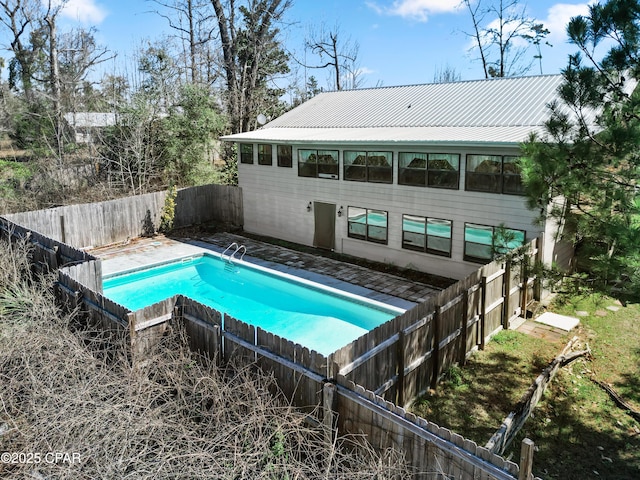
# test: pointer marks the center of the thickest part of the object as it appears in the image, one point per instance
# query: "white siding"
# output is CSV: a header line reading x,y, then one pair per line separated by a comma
x,y
558,248
276,198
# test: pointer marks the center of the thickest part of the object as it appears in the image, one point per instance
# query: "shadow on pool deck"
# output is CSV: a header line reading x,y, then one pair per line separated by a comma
x,y
356,279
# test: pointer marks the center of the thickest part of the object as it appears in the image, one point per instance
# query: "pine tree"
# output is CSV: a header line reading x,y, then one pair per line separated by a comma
x,y
590,157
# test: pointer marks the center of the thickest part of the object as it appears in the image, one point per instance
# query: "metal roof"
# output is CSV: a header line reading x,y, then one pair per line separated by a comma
x,y
495,111
498,102
90,119
387,135
503,111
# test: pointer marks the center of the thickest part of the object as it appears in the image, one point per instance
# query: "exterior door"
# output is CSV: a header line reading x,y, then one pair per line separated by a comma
x,y
325,225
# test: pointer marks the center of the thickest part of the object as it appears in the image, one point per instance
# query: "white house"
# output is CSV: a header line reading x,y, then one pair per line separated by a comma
x,y
419,176
85,125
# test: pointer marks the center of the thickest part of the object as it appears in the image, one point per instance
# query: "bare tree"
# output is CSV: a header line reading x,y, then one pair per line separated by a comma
x,y
18,16
114,90
497,27
78,55
251,56
194,24
337,53
446,74
50,19
477,16
130,149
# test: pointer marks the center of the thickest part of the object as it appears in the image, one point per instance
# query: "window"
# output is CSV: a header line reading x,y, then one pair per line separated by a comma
x,y
367,224
511,178
246,153
493,173
481,242
431,235
440,170
285,156
318,163
265,157
375,167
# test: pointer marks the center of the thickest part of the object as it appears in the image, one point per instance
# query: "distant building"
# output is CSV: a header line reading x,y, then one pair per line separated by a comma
x,y
418,176
85,125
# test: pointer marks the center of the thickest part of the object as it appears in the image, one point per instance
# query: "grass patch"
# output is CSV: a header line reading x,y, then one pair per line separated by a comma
x,y
474,400
579,431
13,177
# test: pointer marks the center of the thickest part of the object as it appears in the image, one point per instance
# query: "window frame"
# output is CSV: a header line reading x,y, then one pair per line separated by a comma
x,y
513,177
320,165
368,227
367,168
265,158
244,155
281,157
426,172
503,180
476,259
425,248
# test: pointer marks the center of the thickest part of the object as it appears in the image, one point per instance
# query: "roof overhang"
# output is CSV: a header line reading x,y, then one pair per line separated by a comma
x,y
464,136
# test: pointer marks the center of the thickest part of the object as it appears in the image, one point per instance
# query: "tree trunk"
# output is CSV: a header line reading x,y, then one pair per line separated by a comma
x,y
50,19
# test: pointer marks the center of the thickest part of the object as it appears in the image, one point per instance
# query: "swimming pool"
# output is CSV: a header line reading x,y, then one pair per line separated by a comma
x,y
320,318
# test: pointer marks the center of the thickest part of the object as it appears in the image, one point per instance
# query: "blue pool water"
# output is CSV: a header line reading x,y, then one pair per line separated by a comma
x,y
317,317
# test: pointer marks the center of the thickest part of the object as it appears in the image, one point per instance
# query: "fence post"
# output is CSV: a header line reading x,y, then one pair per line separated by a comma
x,y
526,459
537,285
329,401
524,272
400,369
133,339
506,285
463,334
63,237
483,310
436,347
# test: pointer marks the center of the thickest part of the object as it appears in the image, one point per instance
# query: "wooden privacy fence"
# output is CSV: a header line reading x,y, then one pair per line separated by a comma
x,y
403,358
347,408
104,223
46,254
350,391
206,203
339,406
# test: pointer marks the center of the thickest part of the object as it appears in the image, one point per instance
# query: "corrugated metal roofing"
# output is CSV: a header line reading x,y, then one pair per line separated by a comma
x,y
90,119
501,110
407,135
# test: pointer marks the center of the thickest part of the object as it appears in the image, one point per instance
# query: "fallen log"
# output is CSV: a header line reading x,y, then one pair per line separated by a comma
x,y
516,419
570,357
618,399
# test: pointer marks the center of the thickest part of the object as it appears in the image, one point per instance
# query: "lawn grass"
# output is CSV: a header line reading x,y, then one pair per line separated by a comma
x,y
474,400
579,431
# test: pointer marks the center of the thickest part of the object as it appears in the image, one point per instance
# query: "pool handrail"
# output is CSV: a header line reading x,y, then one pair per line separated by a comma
x,y
231,245
230,258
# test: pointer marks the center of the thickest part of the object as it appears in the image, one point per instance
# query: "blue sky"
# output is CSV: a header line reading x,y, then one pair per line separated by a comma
x,y
401,41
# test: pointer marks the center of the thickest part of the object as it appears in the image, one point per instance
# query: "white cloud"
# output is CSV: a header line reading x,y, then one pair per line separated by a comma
x,y
365,71
419,10
558,17
85,11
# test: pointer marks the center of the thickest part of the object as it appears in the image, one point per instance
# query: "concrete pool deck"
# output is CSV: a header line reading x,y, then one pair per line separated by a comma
x,y
379,286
